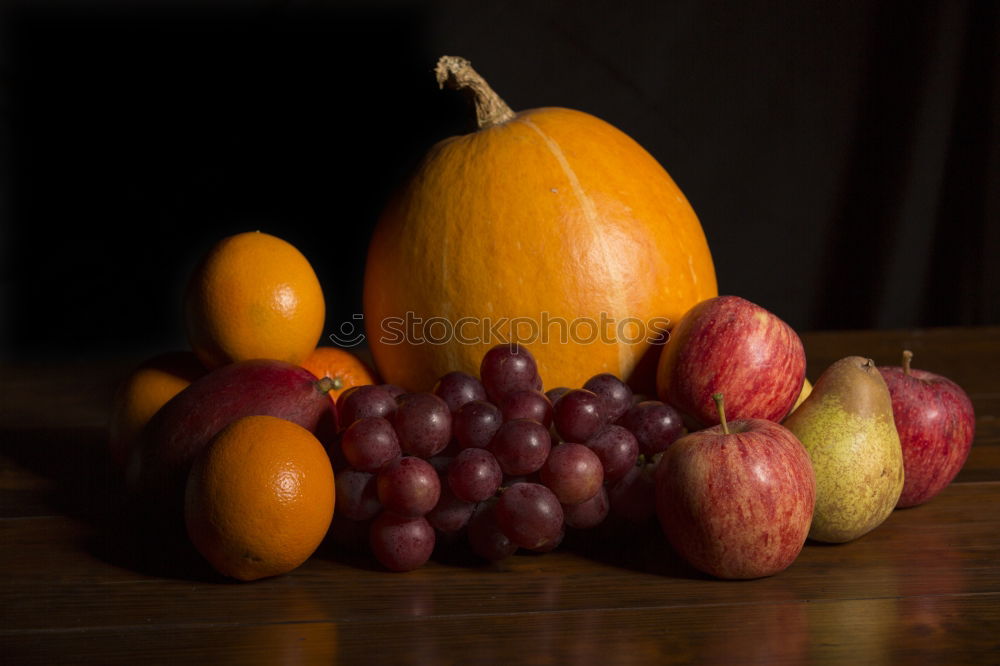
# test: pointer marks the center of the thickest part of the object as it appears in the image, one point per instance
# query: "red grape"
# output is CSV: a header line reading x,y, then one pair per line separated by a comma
x,y
357,495
615,393
578,415
551,544
554,394
408,486
399,543
634,497
474,475
457,388
370,443
362,401
532,405
529,514
521,446
485,536
590,513
423,424
475,423
573,472
393,390
656,425
618,450
508,368
450,514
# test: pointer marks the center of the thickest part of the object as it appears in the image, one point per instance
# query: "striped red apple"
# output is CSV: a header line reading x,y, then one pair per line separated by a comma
x,y
731,346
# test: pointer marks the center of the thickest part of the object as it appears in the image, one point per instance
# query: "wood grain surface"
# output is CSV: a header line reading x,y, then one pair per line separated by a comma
x,y
77,584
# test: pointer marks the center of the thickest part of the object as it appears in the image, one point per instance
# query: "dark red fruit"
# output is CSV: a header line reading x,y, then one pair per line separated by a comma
x,y
457,388
578,415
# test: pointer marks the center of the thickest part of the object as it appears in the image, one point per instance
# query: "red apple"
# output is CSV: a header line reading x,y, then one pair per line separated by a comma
x,y
936,424
731,346
736,500
185,425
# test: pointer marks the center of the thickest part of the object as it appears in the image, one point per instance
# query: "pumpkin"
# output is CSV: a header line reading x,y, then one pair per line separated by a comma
x,y
547,227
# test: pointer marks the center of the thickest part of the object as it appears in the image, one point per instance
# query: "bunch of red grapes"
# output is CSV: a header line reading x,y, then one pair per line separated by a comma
x,y
496,459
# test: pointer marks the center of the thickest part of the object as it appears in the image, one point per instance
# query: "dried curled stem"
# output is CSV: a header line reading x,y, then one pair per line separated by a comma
x,y
457,74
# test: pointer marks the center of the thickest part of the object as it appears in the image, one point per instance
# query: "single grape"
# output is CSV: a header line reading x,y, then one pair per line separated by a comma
x,y
474,475
370,443
423,424
521,446
551,544
399,543
408,486
529,514
532,405
618,450
362,401
450,514
590,513
640,397
554,394
475,423
615,393
485,536
356,495
656,425
393,390
457,388
508,368
634,497
578,415
573,472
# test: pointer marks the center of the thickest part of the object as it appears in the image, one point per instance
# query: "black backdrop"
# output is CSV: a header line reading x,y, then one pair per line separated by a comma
x,y
844,158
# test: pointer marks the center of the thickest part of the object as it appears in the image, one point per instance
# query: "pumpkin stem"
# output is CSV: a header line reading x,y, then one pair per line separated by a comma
x,y
457,74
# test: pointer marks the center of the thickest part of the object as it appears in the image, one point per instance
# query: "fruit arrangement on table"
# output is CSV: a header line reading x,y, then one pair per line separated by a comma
x,y
258,445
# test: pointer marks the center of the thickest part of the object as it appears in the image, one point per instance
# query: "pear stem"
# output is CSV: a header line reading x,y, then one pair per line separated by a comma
x,y
907,357
457,74
721,406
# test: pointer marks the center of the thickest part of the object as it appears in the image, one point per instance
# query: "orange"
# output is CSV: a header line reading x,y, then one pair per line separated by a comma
x,y
344,368
253,296
260,498
143,392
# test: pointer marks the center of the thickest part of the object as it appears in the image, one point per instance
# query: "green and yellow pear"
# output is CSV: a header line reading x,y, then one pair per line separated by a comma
x,y
847,427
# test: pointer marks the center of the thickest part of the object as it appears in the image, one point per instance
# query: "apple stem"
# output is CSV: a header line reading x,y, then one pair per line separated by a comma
x,y
721,406
907,357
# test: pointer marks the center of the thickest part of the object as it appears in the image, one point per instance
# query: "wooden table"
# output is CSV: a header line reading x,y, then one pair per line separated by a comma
x,y
925,586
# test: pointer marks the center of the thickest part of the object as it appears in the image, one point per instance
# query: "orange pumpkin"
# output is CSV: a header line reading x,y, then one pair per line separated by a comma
x,y
549,216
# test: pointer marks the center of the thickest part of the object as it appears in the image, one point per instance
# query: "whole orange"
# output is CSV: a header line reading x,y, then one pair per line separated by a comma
x,y
141,395
260,498
253,296
547,227
344,368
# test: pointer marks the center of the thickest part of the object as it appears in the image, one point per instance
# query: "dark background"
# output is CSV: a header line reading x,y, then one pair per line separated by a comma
x,y
844,158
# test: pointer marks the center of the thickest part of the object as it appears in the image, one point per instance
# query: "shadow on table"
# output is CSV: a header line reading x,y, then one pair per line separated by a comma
x,y
640,548
68,472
